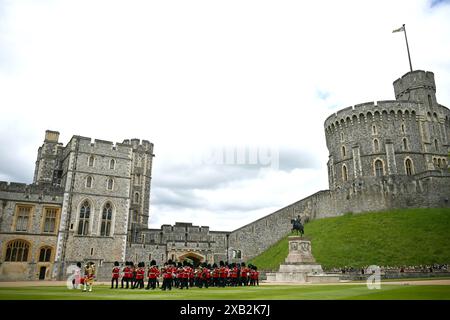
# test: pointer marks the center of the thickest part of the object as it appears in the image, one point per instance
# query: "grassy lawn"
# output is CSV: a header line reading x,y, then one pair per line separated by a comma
x,y
281,292
392,238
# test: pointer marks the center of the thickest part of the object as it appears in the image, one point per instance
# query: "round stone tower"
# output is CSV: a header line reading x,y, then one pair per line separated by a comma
x,y
404,137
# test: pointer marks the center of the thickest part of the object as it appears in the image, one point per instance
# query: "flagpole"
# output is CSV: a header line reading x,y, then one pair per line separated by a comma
x,y
407,48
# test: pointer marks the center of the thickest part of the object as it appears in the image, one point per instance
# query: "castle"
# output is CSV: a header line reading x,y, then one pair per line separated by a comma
x,y
89,201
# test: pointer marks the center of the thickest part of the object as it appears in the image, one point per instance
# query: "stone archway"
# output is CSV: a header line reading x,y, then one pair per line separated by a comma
x,y
194,256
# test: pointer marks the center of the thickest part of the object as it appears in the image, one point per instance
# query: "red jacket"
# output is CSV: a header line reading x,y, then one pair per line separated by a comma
x,y
140,273
115,272
153,273
127,274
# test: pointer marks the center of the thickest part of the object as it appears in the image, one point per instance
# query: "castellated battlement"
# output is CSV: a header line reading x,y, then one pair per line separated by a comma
x,y
413,80
380,110
30,189
145,145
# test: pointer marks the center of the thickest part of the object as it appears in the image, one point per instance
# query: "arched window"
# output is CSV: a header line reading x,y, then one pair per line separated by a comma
x,y
439,162
138,179
45,254
342,136
110,184
374,129
344,173
436,145
405,144
91,161
112,164
403,128
376,145
105,229
136,197
430,102
89,182
17,251
408,167
343,151
379,168
83,224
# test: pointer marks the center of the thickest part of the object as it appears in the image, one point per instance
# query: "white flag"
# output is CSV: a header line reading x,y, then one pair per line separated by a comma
x,y
399,29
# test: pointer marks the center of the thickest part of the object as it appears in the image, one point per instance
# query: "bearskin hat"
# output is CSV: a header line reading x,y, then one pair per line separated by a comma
x,y
116,263
153,263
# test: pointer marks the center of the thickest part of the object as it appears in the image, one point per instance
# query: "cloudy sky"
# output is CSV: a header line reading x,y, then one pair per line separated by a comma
x,y
232,93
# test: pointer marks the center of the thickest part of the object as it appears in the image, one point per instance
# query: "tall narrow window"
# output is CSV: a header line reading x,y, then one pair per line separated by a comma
x,y
343,151
342,136
136,197
379,168
17,251
376,145
23,217
135,216
112,164
89,182
50,220
430,102
83,224
45,254
110,184
138,179
91,161
408,167
374,129
105,229
403,128
405,144
344,173
436,145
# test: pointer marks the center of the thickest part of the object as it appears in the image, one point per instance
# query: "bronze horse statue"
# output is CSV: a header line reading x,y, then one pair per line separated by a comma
x,y
297,226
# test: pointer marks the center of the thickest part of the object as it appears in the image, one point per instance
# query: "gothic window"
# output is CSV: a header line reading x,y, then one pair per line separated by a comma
x,y
342,136
344,173
112,164
110,184
83,224
429,101
17,251
405,144
436,145
23,217
374,129
379,168
138,179
343,151
50,220
105,229
403,128
376,145
44,254
91,161
136,197
408,167
89,182
439,162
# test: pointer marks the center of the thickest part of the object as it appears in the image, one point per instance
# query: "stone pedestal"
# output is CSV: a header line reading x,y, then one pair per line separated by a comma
x,y
300,265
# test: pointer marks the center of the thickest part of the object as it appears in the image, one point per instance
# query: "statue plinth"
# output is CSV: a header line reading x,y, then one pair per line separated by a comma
x,y
300,265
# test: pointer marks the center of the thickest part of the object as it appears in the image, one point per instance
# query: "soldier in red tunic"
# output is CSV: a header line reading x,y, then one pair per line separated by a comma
x,y
140,273
115,275
244,274
215,275
153,273
126,275
167,277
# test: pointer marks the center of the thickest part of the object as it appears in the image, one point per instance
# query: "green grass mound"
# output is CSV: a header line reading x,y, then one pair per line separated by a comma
x,y
392,238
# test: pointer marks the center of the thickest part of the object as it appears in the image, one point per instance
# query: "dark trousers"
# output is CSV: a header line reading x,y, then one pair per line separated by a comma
x,y
116,281
167,284
184,283
139,283
151,283
126,280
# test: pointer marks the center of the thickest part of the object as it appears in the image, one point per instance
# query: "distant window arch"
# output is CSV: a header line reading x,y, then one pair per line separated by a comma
x,y
136,197
45,254
17,251
378,166
112,164
85,212
343,152
138,179
342,136
409,167
91,161
88,182
405,144
376,145
403,128
344,173
105,229
430,102
436,145
110,184
374,129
